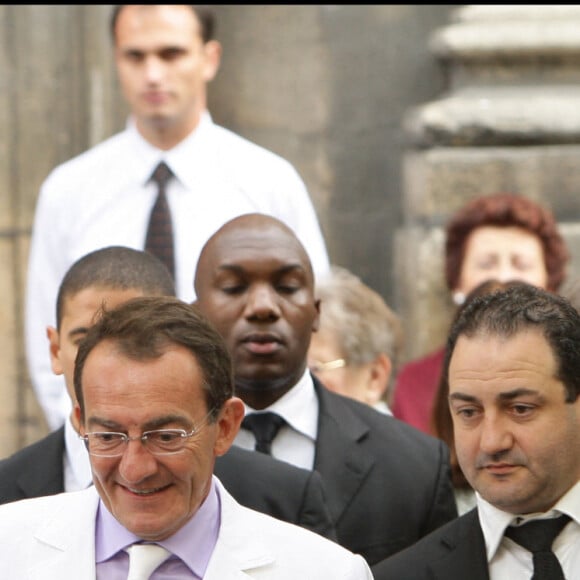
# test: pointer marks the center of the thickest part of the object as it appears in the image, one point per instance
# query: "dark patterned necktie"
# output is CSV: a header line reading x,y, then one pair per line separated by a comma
x,y
265,427
537,537
159,238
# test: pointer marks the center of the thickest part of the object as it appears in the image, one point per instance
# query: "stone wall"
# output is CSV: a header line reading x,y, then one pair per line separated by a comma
x,y
510,121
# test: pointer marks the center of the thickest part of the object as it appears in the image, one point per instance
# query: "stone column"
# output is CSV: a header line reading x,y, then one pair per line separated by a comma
x,y
510,121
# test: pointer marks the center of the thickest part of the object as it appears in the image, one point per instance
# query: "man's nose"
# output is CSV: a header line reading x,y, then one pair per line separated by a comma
x,y
154,69
496,436
136,463
262,302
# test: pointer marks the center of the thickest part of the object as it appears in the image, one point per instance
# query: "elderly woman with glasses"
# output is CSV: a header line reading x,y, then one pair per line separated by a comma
x,y
355,350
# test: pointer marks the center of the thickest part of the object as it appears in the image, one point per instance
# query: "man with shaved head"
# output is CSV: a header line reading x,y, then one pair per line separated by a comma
x,y
387,484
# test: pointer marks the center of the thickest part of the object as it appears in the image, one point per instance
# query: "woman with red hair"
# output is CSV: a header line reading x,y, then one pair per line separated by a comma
x,y
503,237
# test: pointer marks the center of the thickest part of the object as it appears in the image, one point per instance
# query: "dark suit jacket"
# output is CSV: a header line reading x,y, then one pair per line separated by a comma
x,y
455,551
386,483
255,480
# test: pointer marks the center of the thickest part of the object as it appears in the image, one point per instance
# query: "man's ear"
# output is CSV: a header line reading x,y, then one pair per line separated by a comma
x,y
213,57
76,417
316,321
54,349
228,422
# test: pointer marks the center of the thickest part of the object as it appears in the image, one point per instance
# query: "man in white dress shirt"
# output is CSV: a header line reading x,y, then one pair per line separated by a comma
x,y
166,56
513,368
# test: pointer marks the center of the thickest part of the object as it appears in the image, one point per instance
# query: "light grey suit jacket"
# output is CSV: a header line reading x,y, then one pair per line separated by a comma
x,y
53,538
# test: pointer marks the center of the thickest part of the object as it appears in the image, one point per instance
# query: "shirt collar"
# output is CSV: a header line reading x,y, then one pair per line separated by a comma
x,y
193,543
187,159
299,407
494,521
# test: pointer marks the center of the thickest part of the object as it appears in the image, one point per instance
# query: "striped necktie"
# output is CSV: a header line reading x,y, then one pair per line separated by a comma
x,y
159,238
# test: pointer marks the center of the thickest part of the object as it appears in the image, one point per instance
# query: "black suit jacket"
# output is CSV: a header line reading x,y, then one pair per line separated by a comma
x,y
387,484
455,551
255,480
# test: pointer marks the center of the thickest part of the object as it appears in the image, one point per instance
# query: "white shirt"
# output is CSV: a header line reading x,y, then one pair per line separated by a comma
x,y
104,196
77,467
509,560
382,407
295,442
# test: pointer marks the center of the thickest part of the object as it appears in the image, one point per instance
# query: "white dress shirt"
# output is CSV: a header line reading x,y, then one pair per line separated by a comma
x,y
509,560
77,467
382,407
295,442
103,197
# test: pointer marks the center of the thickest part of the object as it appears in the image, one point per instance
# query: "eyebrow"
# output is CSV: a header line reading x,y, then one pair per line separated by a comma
x,y
78,331
463,397
507,396
156,423
522,392
282,270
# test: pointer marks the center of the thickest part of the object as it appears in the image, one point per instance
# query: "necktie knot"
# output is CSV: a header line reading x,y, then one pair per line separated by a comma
x,y
537,537
162,174
265,427
144,559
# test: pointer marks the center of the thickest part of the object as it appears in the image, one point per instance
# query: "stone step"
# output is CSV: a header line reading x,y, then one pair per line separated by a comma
x,y
491,115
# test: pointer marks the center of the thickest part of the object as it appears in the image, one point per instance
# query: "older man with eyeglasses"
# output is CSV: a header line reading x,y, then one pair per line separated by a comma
x,y
155,406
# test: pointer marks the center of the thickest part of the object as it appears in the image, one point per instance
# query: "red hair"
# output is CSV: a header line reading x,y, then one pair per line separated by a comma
x,y
505,210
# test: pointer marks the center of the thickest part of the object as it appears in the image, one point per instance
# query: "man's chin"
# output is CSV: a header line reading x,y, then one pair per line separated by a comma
x,y
264,380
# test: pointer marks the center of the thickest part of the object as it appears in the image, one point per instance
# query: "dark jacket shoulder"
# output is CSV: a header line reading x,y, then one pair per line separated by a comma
x,y
454,551
35,470
276,488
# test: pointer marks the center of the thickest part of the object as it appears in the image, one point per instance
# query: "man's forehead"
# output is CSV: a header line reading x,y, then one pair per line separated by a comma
x,y
488,359
243,243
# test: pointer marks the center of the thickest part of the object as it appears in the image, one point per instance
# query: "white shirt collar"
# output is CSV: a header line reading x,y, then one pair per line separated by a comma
x,y
494,521
299,407
186,160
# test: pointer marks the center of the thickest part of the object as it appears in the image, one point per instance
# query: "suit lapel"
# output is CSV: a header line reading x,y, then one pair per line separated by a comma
x,y
465,551
340,459
65,540
240,547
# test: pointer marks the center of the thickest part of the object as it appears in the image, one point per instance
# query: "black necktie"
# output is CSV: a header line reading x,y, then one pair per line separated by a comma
x,y
264,426
537,537
159,239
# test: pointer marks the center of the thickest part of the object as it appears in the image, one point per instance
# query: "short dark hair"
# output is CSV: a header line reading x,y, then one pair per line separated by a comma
x,y
144,328
505,210
521,307
118,268
204,13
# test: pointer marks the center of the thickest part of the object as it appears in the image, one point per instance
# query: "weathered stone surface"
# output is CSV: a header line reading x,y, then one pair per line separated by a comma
x,y
509,121
8,350
484,116
499,45
439,180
